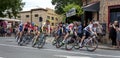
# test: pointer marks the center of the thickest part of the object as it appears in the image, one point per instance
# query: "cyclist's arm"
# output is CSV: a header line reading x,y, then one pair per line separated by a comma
x,y
23,28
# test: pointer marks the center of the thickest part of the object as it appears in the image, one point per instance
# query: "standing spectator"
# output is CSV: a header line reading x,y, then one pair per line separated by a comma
x,y
118,36
113,33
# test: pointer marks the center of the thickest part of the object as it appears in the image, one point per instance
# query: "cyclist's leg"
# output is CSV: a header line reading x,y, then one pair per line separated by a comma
x,y
83,37
21,33
65,37
38,34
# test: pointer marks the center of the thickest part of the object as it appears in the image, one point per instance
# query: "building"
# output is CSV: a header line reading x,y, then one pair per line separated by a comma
x,y
34,15
105,11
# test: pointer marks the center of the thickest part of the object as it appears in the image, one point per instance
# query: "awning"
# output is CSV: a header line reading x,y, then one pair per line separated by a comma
x,y
93,7
7,19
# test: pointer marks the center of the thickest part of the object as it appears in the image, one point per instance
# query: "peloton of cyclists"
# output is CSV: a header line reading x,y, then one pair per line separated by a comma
x,y
77,29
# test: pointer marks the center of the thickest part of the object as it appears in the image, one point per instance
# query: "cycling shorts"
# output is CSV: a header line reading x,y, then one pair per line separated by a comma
x,y
26,30
80,35
86,33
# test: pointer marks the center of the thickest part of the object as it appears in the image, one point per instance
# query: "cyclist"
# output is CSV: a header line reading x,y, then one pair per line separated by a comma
x,y
26,29
69,30
37,32
20,28
79,29
61,30
88,31
47,28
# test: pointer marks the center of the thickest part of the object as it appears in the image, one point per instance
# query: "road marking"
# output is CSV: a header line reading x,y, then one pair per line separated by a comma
x,y
83,53
1,57
16,46
71,56
72,52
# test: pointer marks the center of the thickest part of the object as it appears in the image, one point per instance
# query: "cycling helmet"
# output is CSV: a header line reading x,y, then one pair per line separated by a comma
x,y
47,20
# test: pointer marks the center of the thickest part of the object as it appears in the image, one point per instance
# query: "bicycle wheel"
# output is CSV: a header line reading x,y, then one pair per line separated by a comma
x,y
54,42
17,38
91,45
42,41
76,46
70,42
34,42
59,42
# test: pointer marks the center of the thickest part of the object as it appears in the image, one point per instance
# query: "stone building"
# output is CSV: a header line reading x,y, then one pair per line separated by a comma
x,y
34,15
105,11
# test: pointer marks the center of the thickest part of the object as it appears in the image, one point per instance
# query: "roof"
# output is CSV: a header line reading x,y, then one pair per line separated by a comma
x,y
24,11
38,9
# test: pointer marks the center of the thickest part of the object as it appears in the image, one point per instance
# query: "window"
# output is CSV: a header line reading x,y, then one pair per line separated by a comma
x,y
27,16
56,19
52,18
48,17
52,24
36,15
19,16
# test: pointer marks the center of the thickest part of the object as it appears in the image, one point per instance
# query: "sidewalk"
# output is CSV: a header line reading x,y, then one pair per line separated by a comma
x,y
107,47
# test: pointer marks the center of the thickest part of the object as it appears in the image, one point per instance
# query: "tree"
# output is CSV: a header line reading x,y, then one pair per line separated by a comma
x,y
79,10
60,4
10,8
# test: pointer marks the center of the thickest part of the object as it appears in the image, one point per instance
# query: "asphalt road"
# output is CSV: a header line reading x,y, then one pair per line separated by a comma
x,y
10,49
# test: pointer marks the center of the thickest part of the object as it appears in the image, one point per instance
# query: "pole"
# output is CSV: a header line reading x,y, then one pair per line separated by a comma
x,y
31,16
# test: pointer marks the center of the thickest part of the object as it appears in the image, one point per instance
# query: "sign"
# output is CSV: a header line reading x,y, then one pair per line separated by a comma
x,y
71,12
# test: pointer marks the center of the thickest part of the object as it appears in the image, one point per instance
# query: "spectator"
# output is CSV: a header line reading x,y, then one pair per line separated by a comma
x,y
118,36
113,33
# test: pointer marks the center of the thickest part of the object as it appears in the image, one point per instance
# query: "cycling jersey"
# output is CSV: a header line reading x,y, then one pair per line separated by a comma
x,y
35,28
88,28
20,27
69,28
46,28
26,27
31,27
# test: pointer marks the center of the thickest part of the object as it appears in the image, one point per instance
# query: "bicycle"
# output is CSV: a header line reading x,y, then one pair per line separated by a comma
x,y
90,43
40,41
25,39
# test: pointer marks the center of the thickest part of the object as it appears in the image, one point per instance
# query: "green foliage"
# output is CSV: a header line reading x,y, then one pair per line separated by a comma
x,y
79,10
10,7
60,4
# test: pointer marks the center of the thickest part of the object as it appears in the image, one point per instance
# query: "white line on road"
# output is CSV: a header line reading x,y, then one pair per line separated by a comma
x,y
16,46
62,51
1,57
83,53
71,56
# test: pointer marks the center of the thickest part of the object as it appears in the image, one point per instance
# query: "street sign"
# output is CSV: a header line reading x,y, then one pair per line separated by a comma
x,y
71,12
40,19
